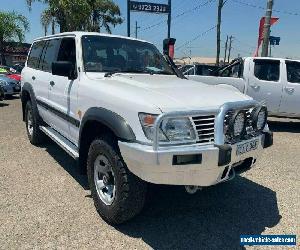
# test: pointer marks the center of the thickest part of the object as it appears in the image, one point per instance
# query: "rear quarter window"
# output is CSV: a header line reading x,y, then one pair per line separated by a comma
x,y
35,55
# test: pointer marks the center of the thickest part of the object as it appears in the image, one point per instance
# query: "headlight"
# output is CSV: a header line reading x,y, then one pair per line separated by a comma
x,y
259,117
171,129
237,124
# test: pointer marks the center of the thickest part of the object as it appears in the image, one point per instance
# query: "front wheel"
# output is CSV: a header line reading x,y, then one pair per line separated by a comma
x,y
118,194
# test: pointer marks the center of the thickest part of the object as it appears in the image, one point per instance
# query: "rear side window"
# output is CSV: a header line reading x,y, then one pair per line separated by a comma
x,y
35,54
267,70
50,55
293,71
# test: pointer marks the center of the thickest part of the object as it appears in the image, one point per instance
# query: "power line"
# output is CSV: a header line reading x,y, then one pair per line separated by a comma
x,y
194,8
246,44
262,8
179,15
197,37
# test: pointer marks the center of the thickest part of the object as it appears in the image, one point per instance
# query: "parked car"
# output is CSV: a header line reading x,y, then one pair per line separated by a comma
x,y
10,72
199,69
10,86
14,76
273,81
3,70
129,117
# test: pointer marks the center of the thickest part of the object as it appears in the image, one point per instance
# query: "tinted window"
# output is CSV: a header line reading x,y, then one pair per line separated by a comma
x,y
35,54
67,50
293,71
50,55
267,70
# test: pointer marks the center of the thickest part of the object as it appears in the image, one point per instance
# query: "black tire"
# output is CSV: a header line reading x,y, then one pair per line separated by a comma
x,y
1,94
130,191
35,136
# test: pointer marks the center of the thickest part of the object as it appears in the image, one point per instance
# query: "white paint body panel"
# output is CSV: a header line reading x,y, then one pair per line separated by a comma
x,y
127,95
282,97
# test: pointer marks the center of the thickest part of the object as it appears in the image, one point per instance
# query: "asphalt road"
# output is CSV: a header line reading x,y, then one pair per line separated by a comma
x,y
45,203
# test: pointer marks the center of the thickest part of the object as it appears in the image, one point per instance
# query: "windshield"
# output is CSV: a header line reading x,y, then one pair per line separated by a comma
x,y
113,54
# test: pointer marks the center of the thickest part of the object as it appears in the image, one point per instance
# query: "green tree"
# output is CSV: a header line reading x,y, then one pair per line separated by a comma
x,y
103,14
12,27
86,15
47,19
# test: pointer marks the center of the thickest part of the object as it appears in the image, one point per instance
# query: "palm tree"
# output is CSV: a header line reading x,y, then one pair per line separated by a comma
x,y
12,26
103,14
47,19
72,15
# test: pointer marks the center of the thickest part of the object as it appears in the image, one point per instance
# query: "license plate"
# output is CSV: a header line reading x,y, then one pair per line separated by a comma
x,y
247,147
17,88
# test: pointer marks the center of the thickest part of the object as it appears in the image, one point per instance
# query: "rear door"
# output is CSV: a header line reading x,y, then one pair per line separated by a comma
x,y
290,104
33,75
45,75
266,83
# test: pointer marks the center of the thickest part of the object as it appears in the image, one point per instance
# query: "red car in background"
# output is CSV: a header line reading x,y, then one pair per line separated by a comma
x,y
10,72
16,77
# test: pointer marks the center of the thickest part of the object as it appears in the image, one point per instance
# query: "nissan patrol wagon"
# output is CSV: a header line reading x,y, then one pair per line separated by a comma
x,y
129,117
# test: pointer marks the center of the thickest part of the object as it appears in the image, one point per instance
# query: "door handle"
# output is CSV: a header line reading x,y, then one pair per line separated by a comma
x,y
255,87
52,83
33,77
289,89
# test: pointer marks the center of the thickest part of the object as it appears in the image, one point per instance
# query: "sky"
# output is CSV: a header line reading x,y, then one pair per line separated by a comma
x,y
191,24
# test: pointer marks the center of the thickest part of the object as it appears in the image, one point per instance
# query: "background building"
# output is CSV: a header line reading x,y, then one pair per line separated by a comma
x,y
15,52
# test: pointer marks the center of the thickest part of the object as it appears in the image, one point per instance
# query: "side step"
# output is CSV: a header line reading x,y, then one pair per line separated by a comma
x,y
64,143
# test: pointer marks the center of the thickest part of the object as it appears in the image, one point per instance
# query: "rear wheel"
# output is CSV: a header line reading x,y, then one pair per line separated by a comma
x,y
35,135
118,194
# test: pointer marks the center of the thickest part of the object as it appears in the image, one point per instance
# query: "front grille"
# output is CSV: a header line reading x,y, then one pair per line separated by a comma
x,y
205,127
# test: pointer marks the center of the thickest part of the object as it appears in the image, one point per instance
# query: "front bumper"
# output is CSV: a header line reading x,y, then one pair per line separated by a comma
x,y
158,166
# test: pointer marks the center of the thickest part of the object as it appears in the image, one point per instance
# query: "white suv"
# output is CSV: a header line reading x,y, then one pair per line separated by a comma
x,y
129,117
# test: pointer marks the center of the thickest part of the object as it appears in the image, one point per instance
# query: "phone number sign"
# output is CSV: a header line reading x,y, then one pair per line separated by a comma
x,y
149,7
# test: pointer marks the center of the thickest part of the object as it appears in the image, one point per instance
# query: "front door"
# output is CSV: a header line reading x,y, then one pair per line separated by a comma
x,y
61,89
290,104
266,83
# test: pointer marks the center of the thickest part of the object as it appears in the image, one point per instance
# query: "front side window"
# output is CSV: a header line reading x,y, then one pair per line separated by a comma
x,y
235,70
113,54
185,69
35,55
293,71
190,71
67,50
267,70
205,70
50,55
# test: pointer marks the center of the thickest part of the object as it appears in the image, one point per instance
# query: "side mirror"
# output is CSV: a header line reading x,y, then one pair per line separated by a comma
x,y
64,68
